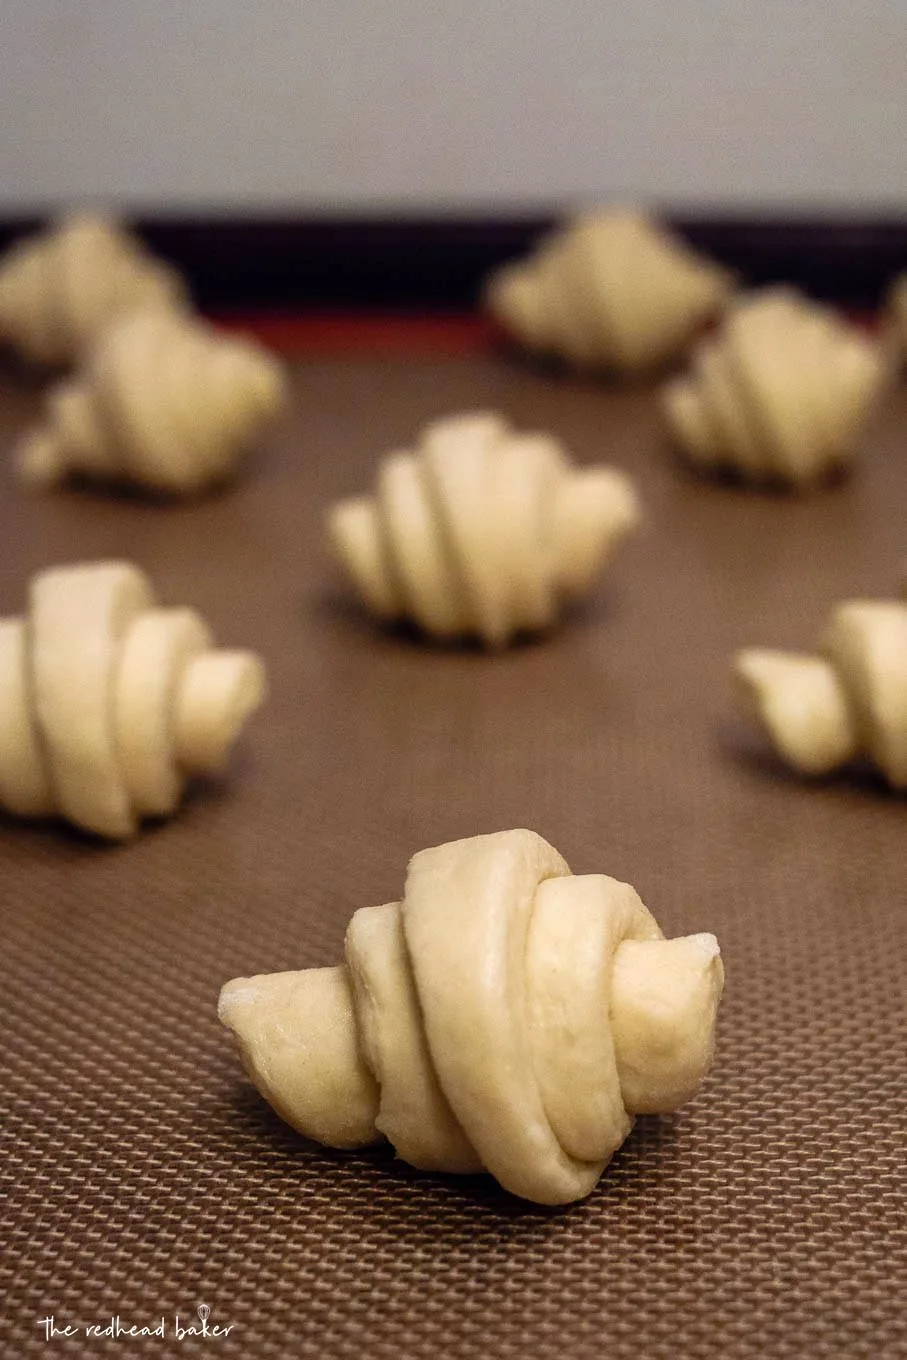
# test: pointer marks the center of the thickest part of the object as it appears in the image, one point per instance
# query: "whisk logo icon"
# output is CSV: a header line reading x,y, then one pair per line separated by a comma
x,y
201,1329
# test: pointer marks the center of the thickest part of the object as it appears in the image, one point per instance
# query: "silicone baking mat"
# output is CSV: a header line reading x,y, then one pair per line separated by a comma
x,y
144,1180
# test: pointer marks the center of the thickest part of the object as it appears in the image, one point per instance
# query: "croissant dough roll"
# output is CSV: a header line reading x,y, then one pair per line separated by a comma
x,y
160,647
61,288
612,289
299,1033
109,703
505,1015
779,394
822,711
25,784
78,628
481,531
165,403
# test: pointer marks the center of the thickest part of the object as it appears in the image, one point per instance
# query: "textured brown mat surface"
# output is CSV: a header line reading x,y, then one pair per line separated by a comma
x,y
143,1178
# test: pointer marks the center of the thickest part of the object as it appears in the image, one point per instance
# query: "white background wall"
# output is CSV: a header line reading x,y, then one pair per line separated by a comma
x,y
358,105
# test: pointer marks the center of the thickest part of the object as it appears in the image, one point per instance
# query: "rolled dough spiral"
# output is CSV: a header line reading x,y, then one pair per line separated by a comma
x,y
822,710
612,290
61,288
109,702
481,531
504,1016
780,394
165,403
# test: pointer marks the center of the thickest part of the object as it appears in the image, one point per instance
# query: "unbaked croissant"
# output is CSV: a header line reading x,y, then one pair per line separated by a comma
x,y
505,1016
164,402
481,531
610,290
108,702
779,394
849,699
61,288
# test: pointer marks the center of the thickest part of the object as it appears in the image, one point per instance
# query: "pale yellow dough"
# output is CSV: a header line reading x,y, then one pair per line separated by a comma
x,y
612,290
109,702
822,710
481,531
61,288
164,402
780,393
504,1016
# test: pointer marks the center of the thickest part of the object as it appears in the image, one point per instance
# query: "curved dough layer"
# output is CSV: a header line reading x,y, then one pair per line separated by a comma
x,y
109,703
504,1016
821,711
60,289
165,403
779,394
611,290
481,531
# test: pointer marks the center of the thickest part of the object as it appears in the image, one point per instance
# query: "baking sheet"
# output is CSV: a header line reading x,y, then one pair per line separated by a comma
x,y
144,1179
